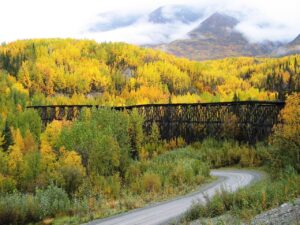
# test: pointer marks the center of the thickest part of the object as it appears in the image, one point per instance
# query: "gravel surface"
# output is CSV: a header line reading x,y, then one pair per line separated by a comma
x,y
163,212
286,214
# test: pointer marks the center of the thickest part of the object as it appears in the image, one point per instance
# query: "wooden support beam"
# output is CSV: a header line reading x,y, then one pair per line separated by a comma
x,y
192,122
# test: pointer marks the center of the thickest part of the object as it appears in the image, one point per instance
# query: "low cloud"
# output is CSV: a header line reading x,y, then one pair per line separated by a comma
x,y
257,33
260,20
143,33
141,30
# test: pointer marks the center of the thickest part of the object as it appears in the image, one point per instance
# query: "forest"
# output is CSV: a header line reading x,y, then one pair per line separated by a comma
x,y
57,71
104,163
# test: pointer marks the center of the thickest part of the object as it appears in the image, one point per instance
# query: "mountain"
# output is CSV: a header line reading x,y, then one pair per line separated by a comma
x,y
173,13
291,48
216,38
217,25
162,15
296,41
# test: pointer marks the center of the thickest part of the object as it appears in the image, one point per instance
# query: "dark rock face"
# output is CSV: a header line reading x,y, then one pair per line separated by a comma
x,y
217,25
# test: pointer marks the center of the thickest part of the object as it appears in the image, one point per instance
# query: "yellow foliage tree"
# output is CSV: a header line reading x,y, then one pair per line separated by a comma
x,y
16,164
71,159
72,171
287,134
52,132
49,164
48,159
29,143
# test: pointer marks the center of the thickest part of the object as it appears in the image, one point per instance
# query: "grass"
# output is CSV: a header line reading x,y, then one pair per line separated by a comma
x,y
171,174
247,202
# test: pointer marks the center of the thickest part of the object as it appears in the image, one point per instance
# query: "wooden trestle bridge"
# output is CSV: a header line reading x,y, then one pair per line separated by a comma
x,y
252,119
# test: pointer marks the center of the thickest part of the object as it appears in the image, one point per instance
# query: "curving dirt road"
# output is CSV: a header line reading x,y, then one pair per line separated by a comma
x,y
163,212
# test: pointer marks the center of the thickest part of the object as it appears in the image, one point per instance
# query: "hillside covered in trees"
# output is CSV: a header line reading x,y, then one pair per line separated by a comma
x,y
56,71
104,163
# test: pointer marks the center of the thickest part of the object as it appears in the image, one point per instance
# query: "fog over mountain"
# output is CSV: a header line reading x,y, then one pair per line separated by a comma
x,y
217,37
162,25
174,13
258,22
145,22
292,47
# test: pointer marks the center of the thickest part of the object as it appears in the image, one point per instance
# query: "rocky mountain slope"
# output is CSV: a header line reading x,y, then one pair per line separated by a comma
x,y
216,37
291,48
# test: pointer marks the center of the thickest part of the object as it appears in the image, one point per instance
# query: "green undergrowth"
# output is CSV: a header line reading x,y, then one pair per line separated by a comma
x,y
164,176
248,202
173,173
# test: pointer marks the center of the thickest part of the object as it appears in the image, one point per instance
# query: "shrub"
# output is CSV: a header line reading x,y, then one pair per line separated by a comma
x,y
248,201
80,206
179,168
230,126
216,207
228,152
52,200
113,186
200,168
194,212
136,186
7,184
71,171
178,175
18,209
133,172
175,143
72,179
248,157
153,144
131,202
151,182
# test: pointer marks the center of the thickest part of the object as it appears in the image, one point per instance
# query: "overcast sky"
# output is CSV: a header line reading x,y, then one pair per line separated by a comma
x,y
277,20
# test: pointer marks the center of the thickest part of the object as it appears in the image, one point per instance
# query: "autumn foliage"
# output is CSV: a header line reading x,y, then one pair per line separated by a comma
x,y
103,161
286,135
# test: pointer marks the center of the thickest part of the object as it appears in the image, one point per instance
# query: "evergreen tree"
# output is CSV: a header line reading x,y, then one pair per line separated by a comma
x,y
8,139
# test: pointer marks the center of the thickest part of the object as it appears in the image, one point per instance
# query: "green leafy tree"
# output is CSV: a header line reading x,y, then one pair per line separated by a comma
x,y
101,141
136,133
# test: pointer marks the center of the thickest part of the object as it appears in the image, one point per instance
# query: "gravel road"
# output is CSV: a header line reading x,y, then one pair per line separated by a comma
x,y
161,213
